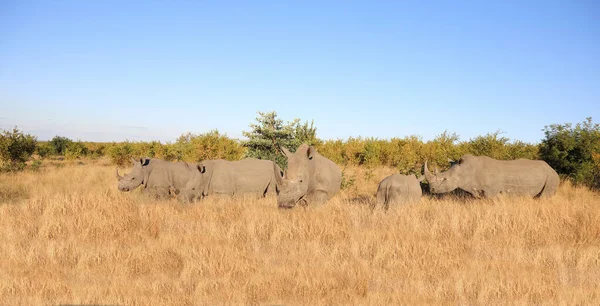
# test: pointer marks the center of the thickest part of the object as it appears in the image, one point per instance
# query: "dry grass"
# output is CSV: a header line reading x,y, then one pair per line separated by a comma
x,y
75,239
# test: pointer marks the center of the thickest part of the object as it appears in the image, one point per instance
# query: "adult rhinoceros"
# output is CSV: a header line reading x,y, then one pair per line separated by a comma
x,y
399,189
309,178
247,176
157,176
483,176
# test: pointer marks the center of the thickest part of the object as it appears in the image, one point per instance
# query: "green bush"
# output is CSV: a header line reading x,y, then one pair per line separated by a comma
x,y
75,150
95,149
44,149
15,149
212,145
121,153
574,151
60,144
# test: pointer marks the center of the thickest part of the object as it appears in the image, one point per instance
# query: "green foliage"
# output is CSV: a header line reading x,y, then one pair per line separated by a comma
x,y
574,151
121,153
347,180
60,144
270,133
491,144
95,149
212,145
44,149
15,149
75,150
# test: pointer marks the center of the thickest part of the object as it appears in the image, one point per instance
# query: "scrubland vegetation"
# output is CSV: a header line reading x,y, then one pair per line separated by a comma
x,y
69,236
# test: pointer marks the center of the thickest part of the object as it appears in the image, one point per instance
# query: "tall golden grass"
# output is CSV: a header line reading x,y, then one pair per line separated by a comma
x,y
69,236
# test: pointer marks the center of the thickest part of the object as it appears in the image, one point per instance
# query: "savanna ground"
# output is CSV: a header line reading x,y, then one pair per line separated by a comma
x,y
69,236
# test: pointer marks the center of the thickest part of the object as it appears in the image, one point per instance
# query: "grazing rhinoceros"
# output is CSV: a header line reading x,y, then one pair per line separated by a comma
x,y
483,176
309,178
246,176
158,177
399,189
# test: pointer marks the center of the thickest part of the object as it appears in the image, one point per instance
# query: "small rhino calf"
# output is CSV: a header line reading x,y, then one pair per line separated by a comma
x,y
399,189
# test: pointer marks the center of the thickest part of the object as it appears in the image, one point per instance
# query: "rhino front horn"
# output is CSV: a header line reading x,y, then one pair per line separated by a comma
x,y
428,175
118,176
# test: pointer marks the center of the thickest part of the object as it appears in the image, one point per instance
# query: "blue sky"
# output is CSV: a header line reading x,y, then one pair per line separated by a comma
x,y
115,70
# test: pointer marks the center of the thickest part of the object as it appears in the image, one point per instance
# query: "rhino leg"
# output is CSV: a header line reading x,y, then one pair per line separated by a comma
x,y
548,190
317,197
158,193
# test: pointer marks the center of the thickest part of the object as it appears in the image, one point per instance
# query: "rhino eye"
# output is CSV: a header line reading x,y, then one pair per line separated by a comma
x,y
133,178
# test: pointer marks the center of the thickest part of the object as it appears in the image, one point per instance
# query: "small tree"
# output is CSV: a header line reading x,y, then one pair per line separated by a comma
x,y
16,148
269,134
573,151
60,144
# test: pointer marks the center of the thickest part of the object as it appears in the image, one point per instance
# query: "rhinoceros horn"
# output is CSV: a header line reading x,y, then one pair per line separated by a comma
x,y
118,176
428,175
286,152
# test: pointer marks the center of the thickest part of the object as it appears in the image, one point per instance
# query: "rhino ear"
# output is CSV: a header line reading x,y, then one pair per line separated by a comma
x,y
145,161
310,152
134,161
201,168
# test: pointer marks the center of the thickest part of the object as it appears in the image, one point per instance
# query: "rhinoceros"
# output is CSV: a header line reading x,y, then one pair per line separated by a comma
x,y
399,189
158,177
247,176
309,178
482,176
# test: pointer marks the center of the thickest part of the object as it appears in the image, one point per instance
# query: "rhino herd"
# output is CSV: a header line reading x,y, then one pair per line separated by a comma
x,y
311,178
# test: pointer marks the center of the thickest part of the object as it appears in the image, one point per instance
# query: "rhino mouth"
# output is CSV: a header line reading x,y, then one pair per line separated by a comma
x,y
288,205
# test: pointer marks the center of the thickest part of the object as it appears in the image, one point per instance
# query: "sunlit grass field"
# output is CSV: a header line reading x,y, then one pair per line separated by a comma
x,y
68,236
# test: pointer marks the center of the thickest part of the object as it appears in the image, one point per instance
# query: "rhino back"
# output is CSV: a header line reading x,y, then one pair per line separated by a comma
x,y
219,179
167,174
180,174
519,177
398,188
252,175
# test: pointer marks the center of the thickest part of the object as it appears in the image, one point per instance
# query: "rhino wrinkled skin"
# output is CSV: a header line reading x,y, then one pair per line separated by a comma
x,y
486,177
222,177
309,178
399,189
157,176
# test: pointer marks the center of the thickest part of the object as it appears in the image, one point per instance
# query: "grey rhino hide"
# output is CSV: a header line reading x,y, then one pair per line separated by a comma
x,y
483,176
247,176
157,176
398,189
309,178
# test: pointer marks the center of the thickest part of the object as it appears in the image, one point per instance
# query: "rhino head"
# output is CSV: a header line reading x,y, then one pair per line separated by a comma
x,y
445,181
135,178
193,189
293,185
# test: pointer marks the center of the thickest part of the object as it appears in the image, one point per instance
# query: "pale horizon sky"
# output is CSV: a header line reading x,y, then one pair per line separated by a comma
x,y
153,70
